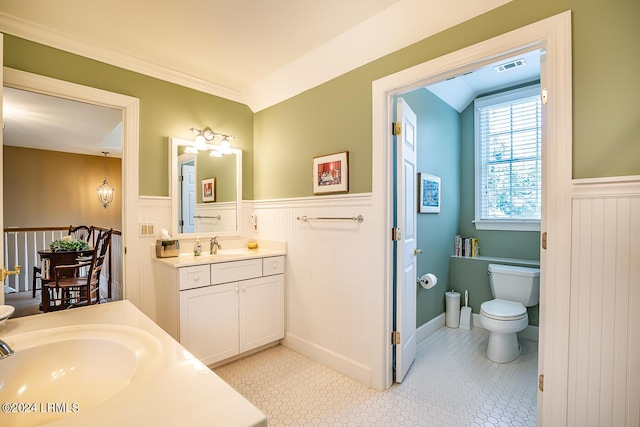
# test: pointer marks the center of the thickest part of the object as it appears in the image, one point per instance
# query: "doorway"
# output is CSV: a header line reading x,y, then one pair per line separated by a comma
x,y
129,108
550,35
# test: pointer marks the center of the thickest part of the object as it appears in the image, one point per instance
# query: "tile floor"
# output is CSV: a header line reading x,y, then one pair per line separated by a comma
x,y
451,383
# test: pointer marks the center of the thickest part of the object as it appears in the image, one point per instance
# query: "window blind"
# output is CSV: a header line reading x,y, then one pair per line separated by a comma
x,y
509,152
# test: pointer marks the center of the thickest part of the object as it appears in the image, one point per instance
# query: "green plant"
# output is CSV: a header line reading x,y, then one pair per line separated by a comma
x,y
68,245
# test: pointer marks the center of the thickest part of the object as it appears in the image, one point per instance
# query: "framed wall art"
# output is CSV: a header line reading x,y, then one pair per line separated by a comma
x,y
209,190
331,173
430,190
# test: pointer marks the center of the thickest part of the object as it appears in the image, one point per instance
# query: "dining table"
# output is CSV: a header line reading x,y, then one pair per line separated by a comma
x,y
50,259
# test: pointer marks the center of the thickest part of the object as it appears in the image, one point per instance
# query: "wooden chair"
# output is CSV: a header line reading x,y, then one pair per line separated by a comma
x,y
36,275
82,232
69,289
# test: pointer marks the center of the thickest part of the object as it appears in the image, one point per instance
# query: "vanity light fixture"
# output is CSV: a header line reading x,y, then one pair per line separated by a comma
x,y
203,136
105,191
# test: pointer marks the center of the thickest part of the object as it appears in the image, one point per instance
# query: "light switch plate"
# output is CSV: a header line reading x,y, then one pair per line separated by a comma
x,y
146,229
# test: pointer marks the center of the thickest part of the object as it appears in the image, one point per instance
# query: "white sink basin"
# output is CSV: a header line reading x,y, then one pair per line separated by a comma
x,y
73,367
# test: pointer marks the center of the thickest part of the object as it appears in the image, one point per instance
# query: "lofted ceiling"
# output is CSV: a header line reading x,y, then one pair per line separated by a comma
x,y
256,52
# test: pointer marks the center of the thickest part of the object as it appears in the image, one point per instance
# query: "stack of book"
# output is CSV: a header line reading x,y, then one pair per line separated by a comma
x,y
466,246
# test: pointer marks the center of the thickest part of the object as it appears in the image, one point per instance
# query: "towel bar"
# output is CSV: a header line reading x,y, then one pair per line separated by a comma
x,y
358,218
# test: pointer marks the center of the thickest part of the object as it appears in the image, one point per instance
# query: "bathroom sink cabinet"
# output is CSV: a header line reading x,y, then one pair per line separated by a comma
x,y
224,309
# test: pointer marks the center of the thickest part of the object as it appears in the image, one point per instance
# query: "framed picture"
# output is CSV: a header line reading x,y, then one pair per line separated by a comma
x,y
430,190
209,190
331,173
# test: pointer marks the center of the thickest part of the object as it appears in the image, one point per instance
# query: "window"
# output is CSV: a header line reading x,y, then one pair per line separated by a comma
x,y
508,160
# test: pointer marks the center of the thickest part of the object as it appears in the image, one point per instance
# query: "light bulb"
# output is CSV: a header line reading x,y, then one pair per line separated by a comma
x,y
201,143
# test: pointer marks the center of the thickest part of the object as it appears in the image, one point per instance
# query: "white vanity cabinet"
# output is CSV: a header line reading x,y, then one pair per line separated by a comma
x,y
227,308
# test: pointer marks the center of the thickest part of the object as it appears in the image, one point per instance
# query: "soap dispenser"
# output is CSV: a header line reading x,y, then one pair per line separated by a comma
x,y
197,248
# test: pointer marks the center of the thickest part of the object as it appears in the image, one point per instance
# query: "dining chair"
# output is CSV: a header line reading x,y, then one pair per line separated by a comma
x,y
36,275
82,232
69,289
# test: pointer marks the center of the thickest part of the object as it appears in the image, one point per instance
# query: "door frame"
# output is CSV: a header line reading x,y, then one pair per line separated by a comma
x,y
130,107
552,35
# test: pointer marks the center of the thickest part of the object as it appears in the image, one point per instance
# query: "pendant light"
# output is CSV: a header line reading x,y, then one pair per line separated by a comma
x,y
105,191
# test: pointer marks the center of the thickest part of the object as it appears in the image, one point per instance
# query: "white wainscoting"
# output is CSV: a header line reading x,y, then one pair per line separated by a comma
x,y
157,211
604,345
208,213
330,287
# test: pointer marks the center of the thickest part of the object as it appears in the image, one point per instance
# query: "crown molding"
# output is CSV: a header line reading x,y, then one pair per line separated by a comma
x,y
48,37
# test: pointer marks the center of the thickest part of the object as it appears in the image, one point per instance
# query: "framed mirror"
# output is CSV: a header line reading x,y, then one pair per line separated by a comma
x,y
206,192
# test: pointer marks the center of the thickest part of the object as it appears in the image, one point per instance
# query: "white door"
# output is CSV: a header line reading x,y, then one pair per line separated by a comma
x,y
543,228
406,177
188,196
1,162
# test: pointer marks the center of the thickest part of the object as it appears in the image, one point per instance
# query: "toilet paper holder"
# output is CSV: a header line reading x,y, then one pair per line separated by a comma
x,y
428,281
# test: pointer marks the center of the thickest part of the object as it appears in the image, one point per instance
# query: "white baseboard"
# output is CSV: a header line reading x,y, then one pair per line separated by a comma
x,y
424,331
333,360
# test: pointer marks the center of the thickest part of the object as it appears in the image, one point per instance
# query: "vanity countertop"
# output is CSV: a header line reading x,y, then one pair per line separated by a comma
x,y
183,391
234,253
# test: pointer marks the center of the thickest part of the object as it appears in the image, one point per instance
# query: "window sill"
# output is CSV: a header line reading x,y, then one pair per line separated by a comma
x,y
505,225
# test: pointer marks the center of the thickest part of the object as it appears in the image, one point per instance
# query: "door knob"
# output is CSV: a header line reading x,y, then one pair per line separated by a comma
x,y
4,273
417,251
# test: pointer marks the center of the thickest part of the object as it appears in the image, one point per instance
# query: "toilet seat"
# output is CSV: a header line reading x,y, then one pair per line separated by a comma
x,y
503,310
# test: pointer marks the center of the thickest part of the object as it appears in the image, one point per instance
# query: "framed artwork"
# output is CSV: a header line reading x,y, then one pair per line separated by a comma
x,y
331,173
209,190
430,190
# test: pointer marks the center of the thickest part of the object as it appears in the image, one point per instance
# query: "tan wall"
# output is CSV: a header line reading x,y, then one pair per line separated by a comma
x,y
48,188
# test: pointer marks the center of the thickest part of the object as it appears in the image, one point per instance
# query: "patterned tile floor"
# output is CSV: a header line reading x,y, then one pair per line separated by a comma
x,y
451,383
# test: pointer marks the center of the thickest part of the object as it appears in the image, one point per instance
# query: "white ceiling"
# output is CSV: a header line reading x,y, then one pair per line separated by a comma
x,y
43,122
461,90
256,52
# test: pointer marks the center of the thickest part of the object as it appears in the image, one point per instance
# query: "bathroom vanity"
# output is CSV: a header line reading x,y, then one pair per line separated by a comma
x,y
220,306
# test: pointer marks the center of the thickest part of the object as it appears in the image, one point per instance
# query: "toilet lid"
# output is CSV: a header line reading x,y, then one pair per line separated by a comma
x,y
500,309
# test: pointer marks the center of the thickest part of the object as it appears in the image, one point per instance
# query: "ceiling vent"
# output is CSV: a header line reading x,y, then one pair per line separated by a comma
x,y
510,65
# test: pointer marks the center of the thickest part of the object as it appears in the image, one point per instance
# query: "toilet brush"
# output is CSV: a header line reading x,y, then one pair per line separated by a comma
x,y
465,314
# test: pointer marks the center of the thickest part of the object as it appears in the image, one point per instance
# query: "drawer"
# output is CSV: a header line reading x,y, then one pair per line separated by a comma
x,y
224,272
273,265
196,276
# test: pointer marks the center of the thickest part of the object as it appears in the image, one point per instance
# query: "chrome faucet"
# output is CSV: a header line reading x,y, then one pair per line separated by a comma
x,y
5,350
214,246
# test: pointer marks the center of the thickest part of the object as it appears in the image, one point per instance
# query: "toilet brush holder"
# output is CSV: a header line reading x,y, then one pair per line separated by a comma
x,y
466,320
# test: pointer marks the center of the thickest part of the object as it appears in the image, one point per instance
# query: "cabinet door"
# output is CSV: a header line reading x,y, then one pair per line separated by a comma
x,y
209,322
261,311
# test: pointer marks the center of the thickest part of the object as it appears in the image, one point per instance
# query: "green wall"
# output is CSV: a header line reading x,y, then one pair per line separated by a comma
x,y
438,154
337,115
166,109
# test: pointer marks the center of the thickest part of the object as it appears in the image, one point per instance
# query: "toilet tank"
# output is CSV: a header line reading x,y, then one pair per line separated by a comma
x,y
512,283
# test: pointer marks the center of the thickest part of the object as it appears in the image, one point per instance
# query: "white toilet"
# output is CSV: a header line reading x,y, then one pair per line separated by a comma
x,y
514,289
